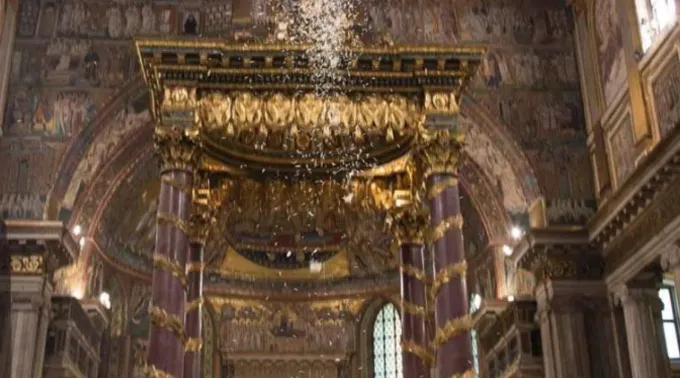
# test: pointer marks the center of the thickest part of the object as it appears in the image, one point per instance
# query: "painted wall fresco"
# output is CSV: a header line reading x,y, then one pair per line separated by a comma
x,y
622,150
474,233
666,90
297,328
609,37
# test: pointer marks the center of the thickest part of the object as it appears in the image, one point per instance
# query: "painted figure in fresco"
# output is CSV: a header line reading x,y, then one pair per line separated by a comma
x,y
612,65
91,63
148,20
115,22
48,20
166,21
133,20
491,71
190,25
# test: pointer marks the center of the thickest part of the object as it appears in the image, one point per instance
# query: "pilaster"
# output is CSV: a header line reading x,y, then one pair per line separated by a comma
x,y
642,311
570,295
31,252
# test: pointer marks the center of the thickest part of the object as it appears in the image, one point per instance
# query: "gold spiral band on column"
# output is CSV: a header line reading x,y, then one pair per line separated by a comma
x,y
150,371
451,329
446,274
173,267
413,308
466,374
176,221
412,271
193,305
423,353
177,185
440,186
438,231
193,344
195,267
162,319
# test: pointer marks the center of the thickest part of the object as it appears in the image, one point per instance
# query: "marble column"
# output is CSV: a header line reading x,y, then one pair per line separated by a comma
x,y
642,313
192,357
452,344
563,333
409,228
168,295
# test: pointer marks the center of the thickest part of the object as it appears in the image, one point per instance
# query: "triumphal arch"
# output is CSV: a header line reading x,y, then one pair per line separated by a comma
x,y
374,143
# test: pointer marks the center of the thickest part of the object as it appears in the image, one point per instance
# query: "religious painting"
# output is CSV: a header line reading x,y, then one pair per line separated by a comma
x,y
495,165
122,125
666,91
527,69
28,18
115,65
167,19
51,113
610,48
22,205
300,328
622,149
27,63
78,19
190,22
130,219
48,19
64,61
529,22
28,165
474,232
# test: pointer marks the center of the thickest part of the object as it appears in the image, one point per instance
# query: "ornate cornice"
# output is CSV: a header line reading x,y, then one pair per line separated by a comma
x,y
37,247
639,193
559,253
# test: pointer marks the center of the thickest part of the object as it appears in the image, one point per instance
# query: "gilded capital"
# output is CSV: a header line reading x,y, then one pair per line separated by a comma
x,y
409,225
440,152
178,150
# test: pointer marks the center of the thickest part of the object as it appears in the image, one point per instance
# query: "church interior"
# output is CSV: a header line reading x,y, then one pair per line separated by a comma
x,y
339,188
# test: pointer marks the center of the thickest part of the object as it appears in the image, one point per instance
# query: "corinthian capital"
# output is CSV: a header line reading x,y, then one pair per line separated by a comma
x,y
178,149
440,152
670,257
409,225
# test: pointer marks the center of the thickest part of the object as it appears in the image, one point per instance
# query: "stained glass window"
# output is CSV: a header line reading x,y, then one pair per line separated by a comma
x,y
387,343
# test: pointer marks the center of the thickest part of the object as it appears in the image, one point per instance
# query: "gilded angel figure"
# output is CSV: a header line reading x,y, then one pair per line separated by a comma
x,y
278,111
247,110
216,111
308,110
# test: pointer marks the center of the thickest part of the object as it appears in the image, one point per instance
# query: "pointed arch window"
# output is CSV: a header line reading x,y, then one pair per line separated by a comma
x,y
387,343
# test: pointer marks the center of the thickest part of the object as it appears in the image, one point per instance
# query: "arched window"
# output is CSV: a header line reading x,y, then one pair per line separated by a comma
x,y
387,343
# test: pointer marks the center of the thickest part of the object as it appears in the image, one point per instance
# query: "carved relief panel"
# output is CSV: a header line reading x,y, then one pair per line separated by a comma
x,y
609,41
622,150
666,91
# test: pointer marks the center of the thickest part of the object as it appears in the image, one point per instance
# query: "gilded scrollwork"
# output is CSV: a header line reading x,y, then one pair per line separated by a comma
x,y
33,264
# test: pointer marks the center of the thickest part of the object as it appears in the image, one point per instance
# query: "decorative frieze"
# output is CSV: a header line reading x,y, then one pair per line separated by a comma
x,y
552,254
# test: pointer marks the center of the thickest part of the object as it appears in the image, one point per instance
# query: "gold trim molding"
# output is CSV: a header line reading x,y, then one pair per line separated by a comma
x,y
451,329
438,232
173,267
443,276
